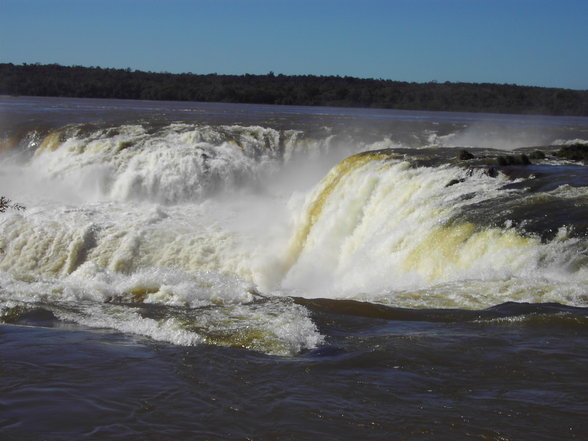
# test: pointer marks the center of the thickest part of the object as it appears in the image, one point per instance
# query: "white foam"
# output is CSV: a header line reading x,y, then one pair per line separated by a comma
x,y
123,219
199,308
388,227
570,141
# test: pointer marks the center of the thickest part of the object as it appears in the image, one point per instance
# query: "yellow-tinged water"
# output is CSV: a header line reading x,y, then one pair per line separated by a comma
x,y
321,197
456,248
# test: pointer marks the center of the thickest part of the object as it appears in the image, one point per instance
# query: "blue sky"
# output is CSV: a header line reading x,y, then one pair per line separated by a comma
x,y
527,42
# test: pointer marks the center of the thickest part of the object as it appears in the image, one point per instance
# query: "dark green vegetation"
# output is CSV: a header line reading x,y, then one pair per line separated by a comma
x,y
6,203
95,82
574,152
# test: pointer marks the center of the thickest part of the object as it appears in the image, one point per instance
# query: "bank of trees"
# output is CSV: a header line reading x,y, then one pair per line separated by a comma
x,y
96,82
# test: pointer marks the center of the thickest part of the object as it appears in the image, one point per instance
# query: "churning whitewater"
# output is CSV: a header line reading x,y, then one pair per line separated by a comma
x,y
203,232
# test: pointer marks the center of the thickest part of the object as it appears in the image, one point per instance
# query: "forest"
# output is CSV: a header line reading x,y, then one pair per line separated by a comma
x,y
308,90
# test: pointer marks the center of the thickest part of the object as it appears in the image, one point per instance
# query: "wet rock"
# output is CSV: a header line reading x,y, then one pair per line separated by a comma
x,y
513,160
453,182
492,172
525,160
464,155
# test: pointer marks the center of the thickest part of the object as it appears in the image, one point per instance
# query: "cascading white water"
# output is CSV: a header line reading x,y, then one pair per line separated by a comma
x,y
120,216
378,228
225,221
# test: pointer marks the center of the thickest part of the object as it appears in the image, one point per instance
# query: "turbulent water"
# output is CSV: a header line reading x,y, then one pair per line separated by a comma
x,y
215,271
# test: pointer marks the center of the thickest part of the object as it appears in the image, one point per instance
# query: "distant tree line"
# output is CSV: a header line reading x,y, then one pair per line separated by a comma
x,y
96,82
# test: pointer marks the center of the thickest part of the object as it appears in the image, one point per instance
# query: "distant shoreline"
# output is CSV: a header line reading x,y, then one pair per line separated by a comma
x,y
305,90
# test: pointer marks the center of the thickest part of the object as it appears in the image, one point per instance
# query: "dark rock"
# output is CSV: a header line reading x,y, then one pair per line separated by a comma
x,y
492,172
513,160
525,160
464,155
454,181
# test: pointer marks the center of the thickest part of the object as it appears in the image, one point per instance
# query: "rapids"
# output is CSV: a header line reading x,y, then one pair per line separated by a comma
x,y
192,230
